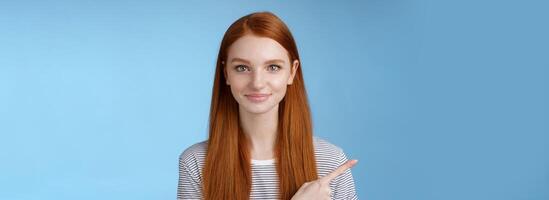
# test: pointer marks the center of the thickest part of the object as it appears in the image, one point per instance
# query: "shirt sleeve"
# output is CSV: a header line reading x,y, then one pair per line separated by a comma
x,y
343,186
189,186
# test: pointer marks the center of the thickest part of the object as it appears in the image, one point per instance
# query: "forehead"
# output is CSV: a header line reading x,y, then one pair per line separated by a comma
x,y
257,49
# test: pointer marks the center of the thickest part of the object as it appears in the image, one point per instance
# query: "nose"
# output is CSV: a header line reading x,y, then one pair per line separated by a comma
x,y
258,80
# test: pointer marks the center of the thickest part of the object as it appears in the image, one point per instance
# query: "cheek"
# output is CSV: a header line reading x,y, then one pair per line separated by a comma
x,y
238,86
279,85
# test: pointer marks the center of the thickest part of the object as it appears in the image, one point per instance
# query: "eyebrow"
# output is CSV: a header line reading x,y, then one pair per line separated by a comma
x,y
246,61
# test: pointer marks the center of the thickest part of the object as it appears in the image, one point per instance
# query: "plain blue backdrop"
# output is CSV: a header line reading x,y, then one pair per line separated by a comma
x,y
436,99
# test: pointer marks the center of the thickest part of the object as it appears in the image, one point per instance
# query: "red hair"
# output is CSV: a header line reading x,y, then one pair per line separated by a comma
x,y
226,174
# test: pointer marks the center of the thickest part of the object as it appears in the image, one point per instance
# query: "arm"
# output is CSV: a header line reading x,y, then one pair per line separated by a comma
x,y
337,185
188,186
343,186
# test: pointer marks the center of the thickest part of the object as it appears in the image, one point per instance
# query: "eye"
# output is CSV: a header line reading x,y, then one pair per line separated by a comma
x,y
274,68
241,68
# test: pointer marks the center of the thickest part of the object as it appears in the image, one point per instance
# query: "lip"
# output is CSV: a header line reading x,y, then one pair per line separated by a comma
x,y
257,98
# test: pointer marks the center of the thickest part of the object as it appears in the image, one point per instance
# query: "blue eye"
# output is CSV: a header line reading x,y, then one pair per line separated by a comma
x,y
241,68
274,68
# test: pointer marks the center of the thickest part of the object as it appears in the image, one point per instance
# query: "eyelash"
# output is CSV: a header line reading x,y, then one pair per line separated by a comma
x,y
238,66
278,67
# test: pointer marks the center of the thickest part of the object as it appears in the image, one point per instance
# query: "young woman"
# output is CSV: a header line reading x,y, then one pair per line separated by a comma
x,y
261,144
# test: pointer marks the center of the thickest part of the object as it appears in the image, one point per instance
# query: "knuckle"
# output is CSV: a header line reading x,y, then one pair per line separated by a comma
x,y
317,183
327,192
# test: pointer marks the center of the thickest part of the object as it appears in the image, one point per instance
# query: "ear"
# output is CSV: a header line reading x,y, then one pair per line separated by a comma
x,y
225,72
295,65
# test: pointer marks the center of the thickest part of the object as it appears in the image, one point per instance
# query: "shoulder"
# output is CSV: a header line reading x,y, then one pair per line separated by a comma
x,y
328,156
194,154
323,147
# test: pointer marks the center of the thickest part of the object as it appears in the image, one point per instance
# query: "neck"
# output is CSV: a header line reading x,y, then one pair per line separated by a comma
x,y
261,132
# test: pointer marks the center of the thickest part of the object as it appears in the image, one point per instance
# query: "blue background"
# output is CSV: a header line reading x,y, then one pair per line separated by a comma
x,y
437,99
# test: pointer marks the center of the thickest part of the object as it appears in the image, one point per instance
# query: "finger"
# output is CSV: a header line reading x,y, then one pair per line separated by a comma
x,y
340,170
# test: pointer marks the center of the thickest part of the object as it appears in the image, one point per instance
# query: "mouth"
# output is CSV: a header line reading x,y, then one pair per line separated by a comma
x,y
257,98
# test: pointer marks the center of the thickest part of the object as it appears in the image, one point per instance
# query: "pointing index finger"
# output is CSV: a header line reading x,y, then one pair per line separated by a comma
x,y
340,170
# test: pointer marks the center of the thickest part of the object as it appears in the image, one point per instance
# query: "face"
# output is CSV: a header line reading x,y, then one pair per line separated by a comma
x,y
258,71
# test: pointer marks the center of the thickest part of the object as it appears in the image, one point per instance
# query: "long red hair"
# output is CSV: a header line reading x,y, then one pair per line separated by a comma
x,y
226,174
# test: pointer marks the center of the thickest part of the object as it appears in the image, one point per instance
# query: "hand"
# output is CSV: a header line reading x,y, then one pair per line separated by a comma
x,y
320,188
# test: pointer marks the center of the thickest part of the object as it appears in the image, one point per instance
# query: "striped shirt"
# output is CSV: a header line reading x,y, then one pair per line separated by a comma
x,y
264,175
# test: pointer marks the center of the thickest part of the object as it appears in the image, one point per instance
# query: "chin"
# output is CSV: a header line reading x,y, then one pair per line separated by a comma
x,y
258,109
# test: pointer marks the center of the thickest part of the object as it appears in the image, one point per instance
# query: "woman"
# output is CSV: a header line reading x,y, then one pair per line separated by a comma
x,y
260,141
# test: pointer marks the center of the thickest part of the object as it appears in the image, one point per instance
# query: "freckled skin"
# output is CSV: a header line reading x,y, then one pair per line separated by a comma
x,y
257,76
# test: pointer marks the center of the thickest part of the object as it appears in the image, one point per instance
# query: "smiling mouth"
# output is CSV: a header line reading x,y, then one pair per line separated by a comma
x,y
257,98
